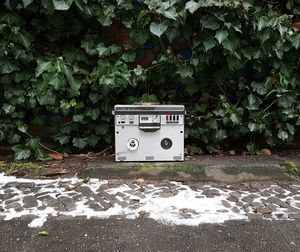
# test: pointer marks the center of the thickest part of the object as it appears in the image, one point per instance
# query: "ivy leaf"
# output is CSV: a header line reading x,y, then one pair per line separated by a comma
x,y
295,41
221,135
283,135
13,138
234,119
221,36
42,66
129,57
33,143
192,6
21,152
80,143
62,4
209,44
92,140
260,88
25,39
185,71
23,128
252,126
286,100
158,28
170,13
7,66
8,108
253,102
230,44
27,2
94,113
210,23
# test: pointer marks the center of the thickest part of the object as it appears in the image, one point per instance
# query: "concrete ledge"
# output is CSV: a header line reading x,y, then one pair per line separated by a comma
x,y
241,169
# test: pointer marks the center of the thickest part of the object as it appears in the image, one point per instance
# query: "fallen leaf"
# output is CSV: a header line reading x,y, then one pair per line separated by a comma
x,y
55,171
2,162
274,81
56,156
140,181
173,226
265,151
69,187
220,152
43,233
296,26
231,152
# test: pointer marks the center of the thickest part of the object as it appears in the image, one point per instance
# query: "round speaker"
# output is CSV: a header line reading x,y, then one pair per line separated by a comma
x,y
132,144
166,143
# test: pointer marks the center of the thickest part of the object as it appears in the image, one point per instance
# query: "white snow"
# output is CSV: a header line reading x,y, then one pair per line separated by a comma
x,y
184,207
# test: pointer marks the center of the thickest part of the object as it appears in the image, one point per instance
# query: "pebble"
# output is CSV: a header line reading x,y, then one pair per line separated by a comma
x,y
263,210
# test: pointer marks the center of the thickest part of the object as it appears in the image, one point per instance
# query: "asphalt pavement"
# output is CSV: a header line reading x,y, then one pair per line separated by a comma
x,y
147,235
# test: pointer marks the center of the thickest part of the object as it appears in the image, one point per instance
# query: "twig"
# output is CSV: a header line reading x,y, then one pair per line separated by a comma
x,y
43,146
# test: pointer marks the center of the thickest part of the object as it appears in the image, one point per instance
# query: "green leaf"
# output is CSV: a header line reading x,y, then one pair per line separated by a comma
x,y
23,128
42,66
8,108
27,2
21,152
209,44
185,71
92,140
129,57
78,118
43,233
286,100
210,23
33,143
295,39
25,39
252,102
7,66
62,4
192,6
260,88
221,36
253,126
230,44
80,143
221,135
158,28
253,149
13,138
283,135
170,13
234,119
94,113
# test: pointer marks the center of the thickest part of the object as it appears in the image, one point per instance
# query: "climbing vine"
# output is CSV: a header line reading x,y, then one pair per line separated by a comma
x,y
65,63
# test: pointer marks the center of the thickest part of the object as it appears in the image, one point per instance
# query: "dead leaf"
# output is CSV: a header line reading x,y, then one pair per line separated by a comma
x,y
274,81
296,26
2,162
69,187
231,152
173,226
56,156
140,181
220,152
265,151
55,171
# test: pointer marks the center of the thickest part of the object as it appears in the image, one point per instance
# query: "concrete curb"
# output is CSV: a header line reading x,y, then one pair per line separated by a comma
x,y
189,171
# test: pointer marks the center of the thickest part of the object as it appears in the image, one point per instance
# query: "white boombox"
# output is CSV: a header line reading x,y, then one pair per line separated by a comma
x,y
149,132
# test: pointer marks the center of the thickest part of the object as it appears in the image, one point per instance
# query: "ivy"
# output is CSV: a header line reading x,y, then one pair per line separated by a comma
x,y
64,64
